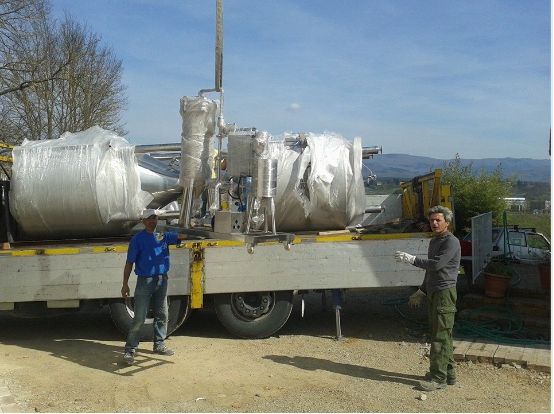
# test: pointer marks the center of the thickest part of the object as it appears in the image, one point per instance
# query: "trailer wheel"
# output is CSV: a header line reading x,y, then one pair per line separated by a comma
x,y
253,314
121,311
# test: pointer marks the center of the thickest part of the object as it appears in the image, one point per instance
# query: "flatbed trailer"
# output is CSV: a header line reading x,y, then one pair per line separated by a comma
x,y
252,293
94,183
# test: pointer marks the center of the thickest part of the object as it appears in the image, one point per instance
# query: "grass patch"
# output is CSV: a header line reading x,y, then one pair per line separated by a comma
x,y
541,222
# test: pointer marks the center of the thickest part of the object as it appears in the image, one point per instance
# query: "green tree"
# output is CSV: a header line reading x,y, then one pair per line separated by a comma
x,y
476,193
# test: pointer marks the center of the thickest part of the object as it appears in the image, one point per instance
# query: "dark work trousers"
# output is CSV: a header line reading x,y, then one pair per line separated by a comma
x,y
441,307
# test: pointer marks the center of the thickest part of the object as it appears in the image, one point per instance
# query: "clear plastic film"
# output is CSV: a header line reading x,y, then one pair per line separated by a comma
x,y
198,114
320,185
80,185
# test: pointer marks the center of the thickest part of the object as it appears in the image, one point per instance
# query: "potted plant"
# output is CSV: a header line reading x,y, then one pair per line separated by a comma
x,y
544,263
498,274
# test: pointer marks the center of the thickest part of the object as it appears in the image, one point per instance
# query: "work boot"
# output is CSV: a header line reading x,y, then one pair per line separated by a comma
x,y
163,350
129,357
449,380
431,385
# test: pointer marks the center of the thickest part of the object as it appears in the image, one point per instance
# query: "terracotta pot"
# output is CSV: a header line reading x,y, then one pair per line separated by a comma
x,y
545,275
496,285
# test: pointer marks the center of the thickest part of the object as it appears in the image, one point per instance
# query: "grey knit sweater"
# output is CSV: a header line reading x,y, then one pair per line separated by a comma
x,y
442,263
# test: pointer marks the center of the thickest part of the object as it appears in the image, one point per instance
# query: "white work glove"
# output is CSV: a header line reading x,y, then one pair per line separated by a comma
x,y
404,257
416,299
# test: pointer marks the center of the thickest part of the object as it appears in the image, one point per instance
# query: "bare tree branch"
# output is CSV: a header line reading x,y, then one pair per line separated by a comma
x,y
54,76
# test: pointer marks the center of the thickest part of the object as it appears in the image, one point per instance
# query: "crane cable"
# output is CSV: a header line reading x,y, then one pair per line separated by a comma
x,y
219,46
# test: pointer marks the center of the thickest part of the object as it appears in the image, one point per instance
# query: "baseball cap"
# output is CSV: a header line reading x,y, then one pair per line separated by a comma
x,y
147,213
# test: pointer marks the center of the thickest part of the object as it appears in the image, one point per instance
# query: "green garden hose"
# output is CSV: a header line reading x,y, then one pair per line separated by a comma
x,y
505,330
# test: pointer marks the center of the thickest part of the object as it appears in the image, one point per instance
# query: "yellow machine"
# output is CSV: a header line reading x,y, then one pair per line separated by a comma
x,y
6,158
424,192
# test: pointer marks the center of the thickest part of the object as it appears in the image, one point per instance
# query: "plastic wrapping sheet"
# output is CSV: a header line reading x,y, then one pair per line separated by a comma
x,y
356,190
80,185
197,141
292,205
158,179
261,145
320,186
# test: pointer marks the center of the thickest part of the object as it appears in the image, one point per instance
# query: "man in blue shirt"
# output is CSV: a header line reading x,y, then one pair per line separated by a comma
x,y
149,252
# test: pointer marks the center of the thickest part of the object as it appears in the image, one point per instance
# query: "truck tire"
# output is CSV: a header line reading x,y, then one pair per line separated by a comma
x,y
121,311
253,315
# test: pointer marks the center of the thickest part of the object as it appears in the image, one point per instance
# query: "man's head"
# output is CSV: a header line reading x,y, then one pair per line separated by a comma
x,y
149,219
149,212
439,219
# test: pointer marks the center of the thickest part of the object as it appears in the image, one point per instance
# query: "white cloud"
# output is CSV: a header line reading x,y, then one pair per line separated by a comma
x,y
294,107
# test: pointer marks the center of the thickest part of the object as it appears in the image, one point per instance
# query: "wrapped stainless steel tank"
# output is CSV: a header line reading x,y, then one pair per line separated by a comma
x,y
80,185
319,177
197,149
264,182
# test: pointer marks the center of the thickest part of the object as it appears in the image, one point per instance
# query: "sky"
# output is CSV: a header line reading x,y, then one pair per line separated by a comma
x,y
419,77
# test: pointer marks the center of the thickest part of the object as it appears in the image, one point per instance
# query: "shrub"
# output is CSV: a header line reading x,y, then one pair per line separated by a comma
x,y
476,193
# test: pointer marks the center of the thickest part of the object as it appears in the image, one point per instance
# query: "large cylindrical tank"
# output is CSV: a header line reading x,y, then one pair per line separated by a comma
x,y
197,141
80,185
320,184
318,177
197,150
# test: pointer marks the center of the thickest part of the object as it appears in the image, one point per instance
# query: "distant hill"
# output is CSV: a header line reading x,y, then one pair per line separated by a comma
x,y
406,167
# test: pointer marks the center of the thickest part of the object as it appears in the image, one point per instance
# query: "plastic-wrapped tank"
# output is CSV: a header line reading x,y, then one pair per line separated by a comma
x,y
197,149
197,141
320,184
319,177
80,185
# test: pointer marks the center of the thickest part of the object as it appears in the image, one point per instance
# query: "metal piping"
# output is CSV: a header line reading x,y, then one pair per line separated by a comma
x,y
143,149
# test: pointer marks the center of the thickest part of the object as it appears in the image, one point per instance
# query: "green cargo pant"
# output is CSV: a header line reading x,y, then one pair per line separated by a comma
x,y
441,307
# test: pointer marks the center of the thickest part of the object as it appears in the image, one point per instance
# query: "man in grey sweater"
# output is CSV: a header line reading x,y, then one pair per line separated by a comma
x,y
439,287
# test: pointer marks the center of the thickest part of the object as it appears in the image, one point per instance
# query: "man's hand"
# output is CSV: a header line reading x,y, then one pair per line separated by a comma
x,y
125,291
404,257
416,299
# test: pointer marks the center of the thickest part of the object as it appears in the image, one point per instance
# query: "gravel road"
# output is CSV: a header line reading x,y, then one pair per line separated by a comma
x,y
73,363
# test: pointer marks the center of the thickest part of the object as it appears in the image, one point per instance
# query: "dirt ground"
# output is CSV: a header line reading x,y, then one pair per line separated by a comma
x,y
73,363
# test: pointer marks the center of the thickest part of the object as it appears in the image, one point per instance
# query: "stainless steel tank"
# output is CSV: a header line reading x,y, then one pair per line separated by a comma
x,y
197,149
264,180
320,184
88,184
159,179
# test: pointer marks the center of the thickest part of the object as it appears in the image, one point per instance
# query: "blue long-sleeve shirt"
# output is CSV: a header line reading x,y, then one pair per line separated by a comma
x,y
150,252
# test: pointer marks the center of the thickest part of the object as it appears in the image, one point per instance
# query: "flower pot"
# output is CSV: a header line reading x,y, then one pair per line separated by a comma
x,y
496,285
545,276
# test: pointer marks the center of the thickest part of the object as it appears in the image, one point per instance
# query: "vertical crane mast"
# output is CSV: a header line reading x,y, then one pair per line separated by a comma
x,y
219,46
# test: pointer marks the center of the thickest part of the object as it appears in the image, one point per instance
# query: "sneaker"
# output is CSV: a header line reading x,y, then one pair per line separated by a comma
x,y
163,350
431,385
449,380
129,357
